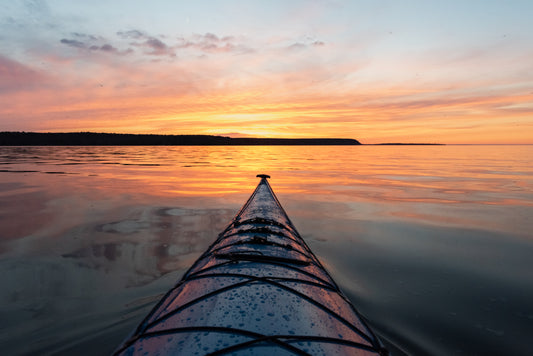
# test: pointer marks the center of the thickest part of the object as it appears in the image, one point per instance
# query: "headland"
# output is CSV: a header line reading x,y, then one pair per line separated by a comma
x,y
114,139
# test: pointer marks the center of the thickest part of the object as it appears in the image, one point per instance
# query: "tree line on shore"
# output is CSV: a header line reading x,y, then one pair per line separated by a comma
x,y
114,139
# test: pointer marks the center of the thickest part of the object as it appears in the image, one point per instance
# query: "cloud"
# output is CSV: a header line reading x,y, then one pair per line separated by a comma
x,y
37,9
308,43
211,43
107,48
89,46
15,76
207,43
296,46
153,45
158,47
110,49
73,43
135,34
84,35
211,37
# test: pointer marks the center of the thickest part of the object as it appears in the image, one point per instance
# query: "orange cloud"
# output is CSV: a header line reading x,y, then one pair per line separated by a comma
x,y
220,85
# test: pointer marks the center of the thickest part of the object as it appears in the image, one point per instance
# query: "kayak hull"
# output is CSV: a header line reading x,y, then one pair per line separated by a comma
x,y
257,290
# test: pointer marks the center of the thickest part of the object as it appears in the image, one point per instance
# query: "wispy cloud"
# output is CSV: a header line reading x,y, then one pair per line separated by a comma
x,y
150,44
156,47
195,45
135,34
15,76
299,46
297,70
73,43
211,43
87,36
208,43
91,43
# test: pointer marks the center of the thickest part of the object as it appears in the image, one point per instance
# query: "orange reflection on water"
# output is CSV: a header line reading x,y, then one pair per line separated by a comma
x,y
417,182
79,221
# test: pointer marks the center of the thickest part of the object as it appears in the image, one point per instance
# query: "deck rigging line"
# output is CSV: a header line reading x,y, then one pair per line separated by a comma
x,y
259,251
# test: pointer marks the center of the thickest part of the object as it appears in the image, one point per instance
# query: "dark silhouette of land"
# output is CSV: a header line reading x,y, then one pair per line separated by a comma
x,y
408,144
113,139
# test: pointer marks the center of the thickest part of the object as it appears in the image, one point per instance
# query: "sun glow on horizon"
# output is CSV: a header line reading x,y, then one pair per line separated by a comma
x,y
404,82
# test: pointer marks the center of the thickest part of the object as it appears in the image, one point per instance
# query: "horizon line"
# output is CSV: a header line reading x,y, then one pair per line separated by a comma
x,y
274,138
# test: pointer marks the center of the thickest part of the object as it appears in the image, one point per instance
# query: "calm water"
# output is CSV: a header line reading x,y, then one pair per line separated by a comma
x,y
433,244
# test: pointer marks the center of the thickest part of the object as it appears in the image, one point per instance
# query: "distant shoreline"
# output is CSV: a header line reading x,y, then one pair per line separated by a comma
x,y
114,139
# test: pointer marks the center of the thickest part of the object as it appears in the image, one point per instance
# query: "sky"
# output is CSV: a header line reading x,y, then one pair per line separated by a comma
x,y
374,70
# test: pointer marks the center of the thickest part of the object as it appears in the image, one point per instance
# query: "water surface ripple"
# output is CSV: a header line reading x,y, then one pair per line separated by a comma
x,y
432,244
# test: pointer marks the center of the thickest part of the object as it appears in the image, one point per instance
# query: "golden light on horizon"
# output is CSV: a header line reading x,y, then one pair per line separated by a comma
x,y
336,83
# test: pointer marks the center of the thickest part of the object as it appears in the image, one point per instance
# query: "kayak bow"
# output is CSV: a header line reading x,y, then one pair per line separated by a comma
x,y
258,289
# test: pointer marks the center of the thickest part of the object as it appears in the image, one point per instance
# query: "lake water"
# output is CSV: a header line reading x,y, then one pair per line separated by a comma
x,y
433,244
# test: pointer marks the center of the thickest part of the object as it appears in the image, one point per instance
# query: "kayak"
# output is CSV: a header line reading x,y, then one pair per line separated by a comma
x,y
257,290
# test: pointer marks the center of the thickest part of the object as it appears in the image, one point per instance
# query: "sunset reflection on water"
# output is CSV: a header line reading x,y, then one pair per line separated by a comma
x,y
94,235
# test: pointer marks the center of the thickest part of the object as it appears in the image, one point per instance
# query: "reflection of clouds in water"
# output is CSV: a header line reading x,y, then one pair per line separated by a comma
x,y
174,212
88,272
108,251
77,248
160,241
25,202
125,227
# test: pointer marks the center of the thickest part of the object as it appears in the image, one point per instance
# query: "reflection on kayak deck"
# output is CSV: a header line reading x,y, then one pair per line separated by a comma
x,y
259,290
432,244
168,240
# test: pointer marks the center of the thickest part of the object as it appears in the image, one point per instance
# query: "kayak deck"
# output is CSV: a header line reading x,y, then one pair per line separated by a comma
x,y
258,289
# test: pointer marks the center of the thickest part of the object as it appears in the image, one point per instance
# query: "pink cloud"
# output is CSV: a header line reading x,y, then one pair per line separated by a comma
x,y
15,76
278,87
211,43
